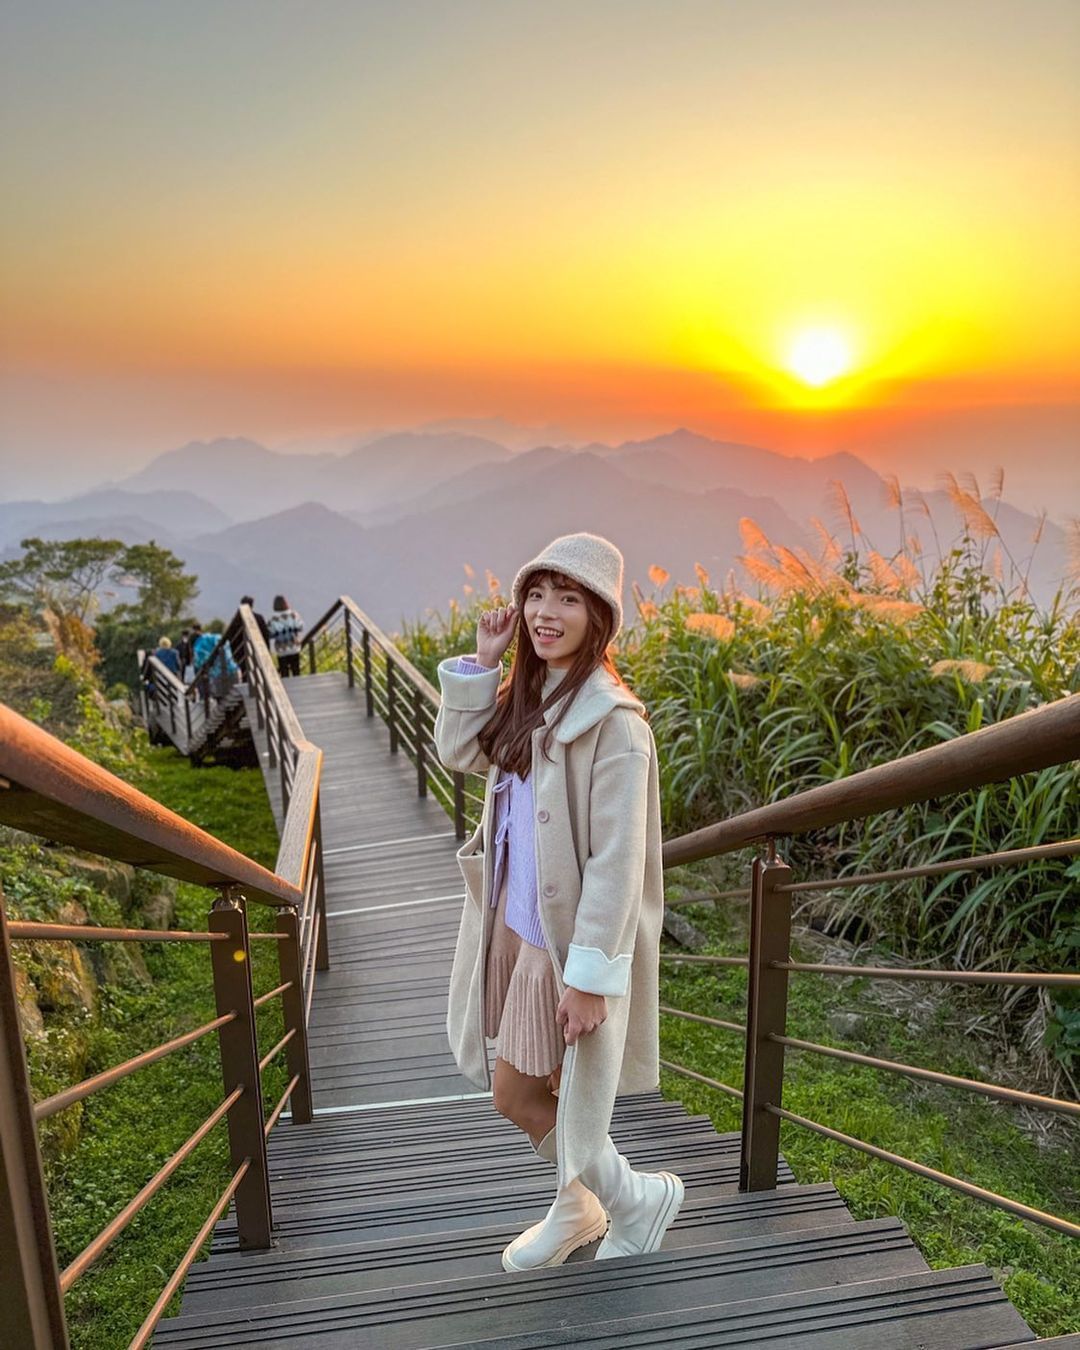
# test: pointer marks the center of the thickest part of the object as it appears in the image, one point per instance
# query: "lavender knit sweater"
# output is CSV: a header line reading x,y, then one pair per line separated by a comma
x,y
514,835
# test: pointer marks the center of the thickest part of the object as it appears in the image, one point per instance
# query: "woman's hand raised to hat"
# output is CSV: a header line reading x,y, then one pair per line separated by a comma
x,y
494,633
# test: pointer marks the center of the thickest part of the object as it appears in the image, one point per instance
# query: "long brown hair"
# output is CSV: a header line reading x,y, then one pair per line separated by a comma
x,y
506,740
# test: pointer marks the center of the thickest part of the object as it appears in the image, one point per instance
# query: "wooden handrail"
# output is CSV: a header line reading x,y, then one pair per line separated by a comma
x,y
258,653
51,790
1026,743
414,676
153,663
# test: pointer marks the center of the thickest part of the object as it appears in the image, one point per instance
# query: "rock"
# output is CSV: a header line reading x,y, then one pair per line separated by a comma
x,y
846,1025
111,878
26,996
679,927
63,977
157,911
71,912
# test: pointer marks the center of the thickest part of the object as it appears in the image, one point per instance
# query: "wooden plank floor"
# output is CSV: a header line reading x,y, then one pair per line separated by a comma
x,y
394,895
392,1208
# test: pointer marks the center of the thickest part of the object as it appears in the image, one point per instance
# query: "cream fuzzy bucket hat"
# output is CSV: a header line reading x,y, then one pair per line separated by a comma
x,y
588,558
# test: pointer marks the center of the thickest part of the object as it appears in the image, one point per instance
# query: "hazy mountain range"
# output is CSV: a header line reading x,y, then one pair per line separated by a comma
x,y
392,521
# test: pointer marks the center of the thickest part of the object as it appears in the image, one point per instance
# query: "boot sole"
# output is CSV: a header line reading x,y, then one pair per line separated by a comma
x,y
582,1239
665,1215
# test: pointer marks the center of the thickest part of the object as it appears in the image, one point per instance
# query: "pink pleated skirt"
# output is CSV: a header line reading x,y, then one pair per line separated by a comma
x,y
520,999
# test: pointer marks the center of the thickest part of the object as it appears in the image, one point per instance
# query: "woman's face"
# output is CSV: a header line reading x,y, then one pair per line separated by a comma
x,y
560,609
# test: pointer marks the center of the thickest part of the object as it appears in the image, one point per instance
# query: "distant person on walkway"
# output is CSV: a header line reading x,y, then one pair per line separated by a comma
x,y
167,654
184,652
220,675
557,952
202,644
286,630
264,627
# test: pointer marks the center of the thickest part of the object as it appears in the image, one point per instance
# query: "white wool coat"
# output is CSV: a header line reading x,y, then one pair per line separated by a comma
x,y
600,891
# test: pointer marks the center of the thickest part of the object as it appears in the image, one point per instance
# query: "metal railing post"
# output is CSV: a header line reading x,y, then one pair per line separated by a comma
x,y
240,1066
311,657
33,1307
283,774
348,650
391,703
322,948
368,692
766,1016
292,1009
459,805
140,657
421,760
257,692
271,723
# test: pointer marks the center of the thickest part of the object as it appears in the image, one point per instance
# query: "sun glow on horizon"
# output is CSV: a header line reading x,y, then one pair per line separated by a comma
x,y
817,356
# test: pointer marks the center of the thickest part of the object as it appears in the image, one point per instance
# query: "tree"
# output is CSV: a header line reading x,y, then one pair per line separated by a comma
x,y
163,589
61,582
163,595
62,575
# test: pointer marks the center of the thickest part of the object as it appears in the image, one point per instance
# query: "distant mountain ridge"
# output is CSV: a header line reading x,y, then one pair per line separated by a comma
x,y
392,521
248,481
180,512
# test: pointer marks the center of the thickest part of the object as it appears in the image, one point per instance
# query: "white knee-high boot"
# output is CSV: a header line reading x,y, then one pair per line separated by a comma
x,y
642,1205
575,1218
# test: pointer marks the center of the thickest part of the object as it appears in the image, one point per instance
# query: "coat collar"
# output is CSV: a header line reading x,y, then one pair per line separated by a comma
x,y
594,700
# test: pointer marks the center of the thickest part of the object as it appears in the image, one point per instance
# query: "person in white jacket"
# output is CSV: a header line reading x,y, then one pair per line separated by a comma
x,y
569,747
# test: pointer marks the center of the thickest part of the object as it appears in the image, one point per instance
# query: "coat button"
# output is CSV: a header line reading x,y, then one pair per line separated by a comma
x,y
541,815
550,888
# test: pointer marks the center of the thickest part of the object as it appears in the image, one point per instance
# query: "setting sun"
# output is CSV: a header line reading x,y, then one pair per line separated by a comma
x,y
819,355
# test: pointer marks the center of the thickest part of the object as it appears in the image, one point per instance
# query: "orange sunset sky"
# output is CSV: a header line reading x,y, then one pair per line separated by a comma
x,y
810,224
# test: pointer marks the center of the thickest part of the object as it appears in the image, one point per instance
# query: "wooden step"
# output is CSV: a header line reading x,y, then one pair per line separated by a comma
x,y
232,1278
400,1314
474,1197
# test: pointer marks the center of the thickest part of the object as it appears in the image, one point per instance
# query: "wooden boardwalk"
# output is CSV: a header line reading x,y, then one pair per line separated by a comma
x,y
392,1208
394,894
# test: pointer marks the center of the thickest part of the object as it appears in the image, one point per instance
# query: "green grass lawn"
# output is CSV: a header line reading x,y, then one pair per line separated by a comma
x,y
953,1131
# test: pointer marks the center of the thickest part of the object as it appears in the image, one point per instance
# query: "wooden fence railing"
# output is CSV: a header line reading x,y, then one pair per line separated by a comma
x,y
50,790
346,639
1034,740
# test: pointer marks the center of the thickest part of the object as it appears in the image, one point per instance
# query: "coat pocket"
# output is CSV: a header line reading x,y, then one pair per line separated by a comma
x,y
470,858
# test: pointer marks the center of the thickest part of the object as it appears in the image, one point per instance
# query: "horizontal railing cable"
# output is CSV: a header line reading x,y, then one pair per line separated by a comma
x,y
276,1112
83,932
142,1336
272,993
701,1078
60,1101
705,960
1010,977
90,1253
930,1173
701,1017
999,1093
1064,848
272,1054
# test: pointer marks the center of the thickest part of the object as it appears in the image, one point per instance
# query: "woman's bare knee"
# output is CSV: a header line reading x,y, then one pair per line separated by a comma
x,y
517,1096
